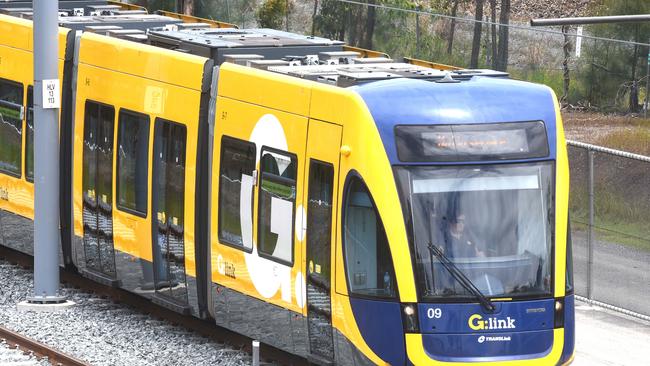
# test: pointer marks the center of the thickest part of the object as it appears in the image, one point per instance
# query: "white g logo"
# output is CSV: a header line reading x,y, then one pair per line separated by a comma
x,y
481,339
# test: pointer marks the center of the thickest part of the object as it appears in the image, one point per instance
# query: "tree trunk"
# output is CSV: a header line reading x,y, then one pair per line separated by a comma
x,y
634,92
476,40
504,18
452,27
493,19
188,7
286,16
370,24
565,65
313,18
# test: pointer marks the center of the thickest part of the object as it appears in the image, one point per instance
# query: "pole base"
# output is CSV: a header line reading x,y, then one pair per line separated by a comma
x,y
48,304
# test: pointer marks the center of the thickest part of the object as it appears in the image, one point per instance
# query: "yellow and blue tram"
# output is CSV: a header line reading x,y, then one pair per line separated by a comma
x,y
352,210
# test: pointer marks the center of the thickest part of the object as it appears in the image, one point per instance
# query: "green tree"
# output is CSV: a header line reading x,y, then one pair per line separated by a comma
x,y
273,13
330,20
613,74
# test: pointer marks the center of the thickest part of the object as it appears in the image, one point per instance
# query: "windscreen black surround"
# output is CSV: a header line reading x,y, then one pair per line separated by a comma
x,y
471,142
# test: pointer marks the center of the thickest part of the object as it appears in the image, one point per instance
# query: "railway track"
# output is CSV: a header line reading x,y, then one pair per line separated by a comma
x,y
269,355
39,349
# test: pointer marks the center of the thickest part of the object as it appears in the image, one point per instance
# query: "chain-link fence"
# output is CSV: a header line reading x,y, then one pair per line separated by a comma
x,y
610,223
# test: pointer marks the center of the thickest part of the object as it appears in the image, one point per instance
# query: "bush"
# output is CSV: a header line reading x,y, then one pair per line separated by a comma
x,y
271,13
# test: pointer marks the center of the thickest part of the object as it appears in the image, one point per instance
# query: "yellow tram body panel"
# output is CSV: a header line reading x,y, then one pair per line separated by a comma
x,y
154,82
561,202
16,65
294,103
237,114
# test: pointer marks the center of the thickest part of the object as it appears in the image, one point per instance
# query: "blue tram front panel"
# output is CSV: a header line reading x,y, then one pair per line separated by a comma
x,y
466,332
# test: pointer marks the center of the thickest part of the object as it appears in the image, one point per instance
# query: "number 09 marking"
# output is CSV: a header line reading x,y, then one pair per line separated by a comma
x,y
434,313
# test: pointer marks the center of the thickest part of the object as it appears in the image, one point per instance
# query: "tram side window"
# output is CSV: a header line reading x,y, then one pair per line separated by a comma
x,y
29,136
368,262
11,127
277,197
236,192
132,162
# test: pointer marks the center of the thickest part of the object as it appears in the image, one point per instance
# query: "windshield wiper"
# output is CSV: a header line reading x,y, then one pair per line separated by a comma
x,y
460,277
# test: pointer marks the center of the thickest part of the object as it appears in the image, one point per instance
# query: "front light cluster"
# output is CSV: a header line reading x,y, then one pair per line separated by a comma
x,y
410,318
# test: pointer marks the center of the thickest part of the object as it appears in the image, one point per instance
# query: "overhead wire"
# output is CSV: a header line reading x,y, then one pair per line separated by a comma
x,y
514,26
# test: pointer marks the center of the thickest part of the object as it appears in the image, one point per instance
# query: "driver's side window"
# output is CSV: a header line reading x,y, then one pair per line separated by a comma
x,y
369,266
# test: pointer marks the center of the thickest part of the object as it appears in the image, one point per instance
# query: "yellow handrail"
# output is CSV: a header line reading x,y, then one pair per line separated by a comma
x,y
429,64
126,6
192,19
364,52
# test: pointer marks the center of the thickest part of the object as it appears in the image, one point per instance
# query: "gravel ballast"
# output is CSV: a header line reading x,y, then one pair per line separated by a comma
x,y
102,332
11,356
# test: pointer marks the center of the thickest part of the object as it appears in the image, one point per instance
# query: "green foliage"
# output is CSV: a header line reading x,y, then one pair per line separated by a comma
x,y
240,12
611,65
271,13
331,19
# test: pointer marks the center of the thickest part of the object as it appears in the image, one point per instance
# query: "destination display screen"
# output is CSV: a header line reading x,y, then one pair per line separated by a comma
x,y
447,143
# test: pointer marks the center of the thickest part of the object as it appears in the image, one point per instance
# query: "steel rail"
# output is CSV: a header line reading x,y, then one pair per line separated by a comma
x,y
39,349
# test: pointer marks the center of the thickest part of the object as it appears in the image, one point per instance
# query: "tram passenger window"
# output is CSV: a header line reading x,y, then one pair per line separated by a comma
x,y
277,197
132,162
368,262
29,136
236,192
11,127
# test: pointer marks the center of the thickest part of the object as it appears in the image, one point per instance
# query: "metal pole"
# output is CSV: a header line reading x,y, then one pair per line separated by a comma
x,y
417,31
647,86
46,153
256,353
590,20
590,233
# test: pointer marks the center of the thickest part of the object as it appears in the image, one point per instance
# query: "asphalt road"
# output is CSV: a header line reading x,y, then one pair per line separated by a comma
x,y
621,274
607,338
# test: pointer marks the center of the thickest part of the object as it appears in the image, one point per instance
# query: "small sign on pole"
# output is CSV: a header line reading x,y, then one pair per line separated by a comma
x,y
578,41
51,94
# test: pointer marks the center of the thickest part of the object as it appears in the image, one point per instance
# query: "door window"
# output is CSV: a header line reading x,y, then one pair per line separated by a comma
x,y
11,127
169,200
97,183
29,136
319,239
277,197
235,189
368,262
132,162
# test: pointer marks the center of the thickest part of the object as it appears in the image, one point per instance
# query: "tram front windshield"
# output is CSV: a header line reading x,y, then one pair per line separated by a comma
x,y
494,222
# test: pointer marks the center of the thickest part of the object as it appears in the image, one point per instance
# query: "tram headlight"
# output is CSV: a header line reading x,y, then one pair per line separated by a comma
x,y
559,313
410,318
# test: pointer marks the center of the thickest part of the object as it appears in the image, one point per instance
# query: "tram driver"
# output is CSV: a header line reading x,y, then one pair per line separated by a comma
x,y
459,243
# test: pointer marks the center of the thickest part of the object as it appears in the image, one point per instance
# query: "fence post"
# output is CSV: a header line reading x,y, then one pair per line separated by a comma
x,y
256,353
590,232
647,86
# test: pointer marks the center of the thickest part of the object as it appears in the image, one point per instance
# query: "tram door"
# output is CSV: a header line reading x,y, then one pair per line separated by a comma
x,y
97,179
168,204
323,145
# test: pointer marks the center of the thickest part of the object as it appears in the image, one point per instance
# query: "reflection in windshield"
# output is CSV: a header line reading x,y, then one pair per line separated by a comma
x,y
492,222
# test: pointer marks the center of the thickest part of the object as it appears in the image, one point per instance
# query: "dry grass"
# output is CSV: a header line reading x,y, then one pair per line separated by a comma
x,y
636,140
627,133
